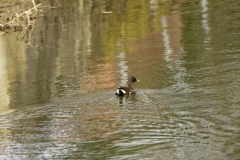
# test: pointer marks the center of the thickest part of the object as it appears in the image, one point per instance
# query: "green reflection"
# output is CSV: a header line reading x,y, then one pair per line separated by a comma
x,y
131,21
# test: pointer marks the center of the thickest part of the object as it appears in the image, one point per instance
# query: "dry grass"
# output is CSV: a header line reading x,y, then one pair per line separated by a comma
x,y
17,21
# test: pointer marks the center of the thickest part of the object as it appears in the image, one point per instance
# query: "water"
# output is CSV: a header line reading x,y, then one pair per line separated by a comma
x,y
57,84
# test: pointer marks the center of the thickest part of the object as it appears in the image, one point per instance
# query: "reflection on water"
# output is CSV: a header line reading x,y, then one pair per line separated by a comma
x,y
4,99
57,90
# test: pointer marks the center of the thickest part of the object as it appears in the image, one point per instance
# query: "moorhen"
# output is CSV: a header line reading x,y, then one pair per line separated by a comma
x,y
121,91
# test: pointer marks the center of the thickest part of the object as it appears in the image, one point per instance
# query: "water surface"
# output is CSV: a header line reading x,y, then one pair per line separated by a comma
x,y
57,83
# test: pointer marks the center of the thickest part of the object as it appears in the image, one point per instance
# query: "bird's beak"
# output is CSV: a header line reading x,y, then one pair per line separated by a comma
x,y
138,80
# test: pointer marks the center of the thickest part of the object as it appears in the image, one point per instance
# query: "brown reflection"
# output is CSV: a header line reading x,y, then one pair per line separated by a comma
x,y
102,79
174,30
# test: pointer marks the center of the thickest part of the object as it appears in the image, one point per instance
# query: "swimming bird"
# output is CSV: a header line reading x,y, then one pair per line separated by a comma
x,y
121,91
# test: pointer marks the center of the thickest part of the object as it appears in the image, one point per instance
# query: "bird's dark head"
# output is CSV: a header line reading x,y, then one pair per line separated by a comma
x,y
134,79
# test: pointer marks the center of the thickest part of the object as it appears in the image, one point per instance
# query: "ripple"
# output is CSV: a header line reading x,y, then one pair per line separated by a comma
x,y
93,124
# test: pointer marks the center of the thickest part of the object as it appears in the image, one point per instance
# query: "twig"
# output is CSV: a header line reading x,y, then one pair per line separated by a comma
x,y
33,3
16,21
